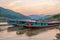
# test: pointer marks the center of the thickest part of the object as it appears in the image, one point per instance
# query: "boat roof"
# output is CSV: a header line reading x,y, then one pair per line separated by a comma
x,y
22,20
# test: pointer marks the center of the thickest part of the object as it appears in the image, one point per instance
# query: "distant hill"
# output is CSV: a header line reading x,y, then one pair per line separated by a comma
x,y
7,13
56,16
39,17
12,14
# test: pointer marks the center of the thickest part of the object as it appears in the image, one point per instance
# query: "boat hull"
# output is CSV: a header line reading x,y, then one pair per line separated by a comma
x,y
49,25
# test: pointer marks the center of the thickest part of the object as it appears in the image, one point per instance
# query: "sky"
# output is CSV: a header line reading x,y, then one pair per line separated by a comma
x,y
28,7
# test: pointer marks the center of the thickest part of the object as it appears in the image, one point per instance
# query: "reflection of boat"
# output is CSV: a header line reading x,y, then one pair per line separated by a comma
x,y
34,24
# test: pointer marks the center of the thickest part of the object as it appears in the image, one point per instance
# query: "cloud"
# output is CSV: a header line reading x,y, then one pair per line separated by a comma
x,y
33,6
15,3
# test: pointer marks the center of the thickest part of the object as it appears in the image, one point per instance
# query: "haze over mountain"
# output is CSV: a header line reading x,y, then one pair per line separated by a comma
x,y
28,7
39,17
7,13
12,14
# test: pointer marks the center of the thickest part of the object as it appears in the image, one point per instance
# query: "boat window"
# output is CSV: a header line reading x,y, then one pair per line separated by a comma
x,y
22,22
32,23
44,24
12,22
41,23
35,23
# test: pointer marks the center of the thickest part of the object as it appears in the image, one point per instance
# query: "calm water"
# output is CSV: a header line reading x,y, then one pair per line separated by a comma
x,y
45,35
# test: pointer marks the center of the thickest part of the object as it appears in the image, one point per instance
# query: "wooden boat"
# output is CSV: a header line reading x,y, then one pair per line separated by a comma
x,y
41,25
30,24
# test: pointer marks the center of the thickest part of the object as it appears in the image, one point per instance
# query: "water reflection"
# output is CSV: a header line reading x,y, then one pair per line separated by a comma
x,y
28,31
29,34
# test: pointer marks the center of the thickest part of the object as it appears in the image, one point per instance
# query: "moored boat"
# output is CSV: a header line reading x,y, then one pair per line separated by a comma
x,y
34,24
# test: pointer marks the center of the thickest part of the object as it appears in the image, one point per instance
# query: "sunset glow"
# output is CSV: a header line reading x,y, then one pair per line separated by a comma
x,y
27,7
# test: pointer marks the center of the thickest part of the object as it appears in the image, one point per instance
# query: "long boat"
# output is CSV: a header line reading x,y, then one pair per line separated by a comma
x,y
35,24
41,25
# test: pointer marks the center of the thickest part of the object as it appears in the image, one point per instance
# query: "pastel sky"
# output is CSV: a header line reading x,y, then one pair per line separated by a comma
x,y
27,7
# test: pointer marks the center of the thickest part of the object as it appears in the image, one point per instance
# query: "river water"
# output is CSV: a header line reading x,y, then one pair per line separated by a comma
x,y
47,35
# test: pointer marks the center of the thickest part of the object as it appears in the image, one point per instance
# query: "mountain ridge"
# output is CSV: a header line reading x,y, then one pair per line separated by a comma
x,y
11,14
39,17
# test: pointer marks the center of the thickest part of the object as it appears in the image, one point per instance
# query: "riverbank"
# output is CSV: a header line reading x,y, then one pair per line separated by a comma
x,y
58,35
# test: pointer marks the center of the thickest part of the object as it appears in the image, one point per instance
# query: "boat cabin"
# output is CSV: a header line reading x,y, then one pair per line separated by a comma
x,y
39,24
24,23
